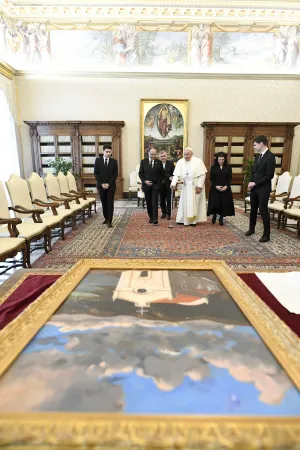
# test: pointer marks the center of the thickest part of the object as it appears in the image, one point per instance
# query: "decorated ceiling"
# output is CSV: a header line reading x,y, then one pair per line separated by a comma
x,y
194,37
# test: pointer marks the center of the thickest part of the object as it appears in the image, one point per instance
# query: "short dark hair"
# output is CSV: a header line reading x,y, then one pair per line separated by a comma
x,y
261,140
107,147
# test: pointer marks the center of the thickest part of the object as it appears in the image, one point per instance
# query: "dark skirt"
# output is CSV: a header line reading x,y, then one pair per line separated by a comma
x,y
220,202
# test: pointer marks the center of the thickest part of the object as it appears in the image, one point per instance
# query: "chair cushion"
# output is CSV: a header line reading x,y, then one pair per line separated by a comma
x,y
27,230
9,244
292,212
141,194
247,199
276,206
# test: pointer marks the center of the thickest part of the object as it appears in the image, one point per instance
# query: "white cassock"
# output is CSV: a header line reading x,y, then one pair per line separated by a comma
x,y
192,206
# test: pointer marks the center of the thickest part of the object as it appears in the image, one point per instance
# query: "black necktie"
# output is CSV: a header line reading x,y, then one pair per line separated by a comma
x,y
106,163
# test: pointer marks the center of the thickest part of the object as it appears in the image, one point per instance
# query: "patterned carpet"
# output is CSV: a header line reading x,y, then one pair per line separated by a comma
x,y
133,237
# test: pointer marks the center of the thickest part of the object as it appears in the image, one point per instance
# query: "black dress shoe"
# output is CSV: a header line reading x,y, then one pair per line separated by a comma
x,y
221,221
163,216
213,220
109,225
104,222
249,232
150,220
264,239
168,217
155,222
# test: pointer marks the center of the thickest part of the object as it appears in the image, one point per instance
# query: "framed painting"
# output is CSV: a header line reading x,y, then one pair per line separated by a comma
x,y
164,125
123,354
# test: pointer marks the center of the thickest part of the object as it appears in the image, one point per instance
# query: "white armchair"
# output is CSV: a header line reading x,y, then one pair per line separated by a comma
x,y
133,184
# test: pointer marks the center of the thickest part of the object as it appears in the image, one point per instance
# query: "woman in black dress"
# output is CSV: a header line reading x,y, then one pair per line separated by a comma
x,y
220,199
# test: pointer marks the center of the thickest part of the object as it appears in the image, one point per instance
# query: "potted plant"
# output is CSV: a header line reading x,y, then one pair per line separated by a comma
x,y
247,173
63,165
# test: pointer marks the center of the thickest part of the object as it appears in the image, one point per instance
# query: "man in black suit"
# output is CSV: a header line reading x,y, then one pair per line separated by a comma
x,y
106,172
165,189
151,174
260,186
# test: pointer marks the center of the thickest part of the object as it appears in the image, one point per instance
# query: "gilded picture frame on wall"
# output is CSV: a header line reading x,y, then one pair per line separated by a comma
x,y
164,125
129,354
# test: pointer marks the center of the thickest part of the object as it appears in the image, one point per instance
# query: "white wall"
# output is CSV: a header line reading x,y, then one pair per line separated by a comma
x,y
119,99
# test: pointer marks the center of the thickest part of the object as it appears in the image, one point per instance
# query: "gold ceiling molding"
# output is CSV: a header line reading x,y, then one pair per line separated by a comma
x,y
123,11
250,29
163,27
6,70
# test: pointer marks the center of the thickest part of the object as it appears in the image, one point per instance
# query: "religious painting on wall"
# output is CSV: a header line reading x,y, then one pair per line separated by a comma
x,y
125,338
164,125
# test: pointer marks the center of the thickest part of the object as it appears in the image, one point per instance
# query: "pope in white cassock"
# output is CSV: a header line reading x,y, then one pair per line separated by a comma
x,y
191,171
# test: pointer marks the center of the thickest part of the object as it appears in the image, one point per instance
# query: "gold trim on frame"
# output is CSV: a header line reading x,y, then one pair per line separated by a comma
x,y
181,104
6,70
121,431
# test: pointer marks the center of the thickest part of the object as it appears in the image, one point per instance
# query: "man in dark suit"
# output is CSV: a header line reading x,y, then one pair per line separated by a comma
x,y
260,186
106,172
151,174
165,189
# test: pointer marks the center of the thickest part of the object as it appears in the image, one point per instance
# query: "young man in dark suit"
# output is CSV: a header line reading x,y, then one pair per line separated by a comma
x,y
165,189
151,174
106,172
260,186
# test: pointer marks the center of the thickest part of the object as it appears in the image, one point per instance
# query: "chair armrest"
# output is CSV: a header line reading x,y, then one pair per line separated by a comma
x,y
79,194
53,206
11,225
36,213
71,197
290,200
60,200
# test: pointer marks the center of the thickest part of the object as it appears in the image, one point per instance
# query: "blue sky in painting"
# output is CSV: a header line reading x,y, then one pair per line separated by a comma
x,y
219,394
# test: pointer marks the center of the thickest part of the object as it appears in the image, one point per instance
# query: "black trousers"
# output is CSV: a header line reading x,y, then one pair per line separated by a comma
x,y
260,200
107,199
151,197
165,199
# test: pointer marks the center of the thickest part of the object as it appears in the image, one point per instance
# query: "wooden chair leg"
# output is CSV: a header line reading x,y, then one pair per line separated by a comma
x,y
62,227
74,226
24,254
83,215
95,207
28,254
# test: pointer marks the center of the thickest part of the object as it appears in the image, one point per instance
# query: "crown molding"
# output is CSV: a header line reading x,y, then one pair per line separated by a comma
x,y
81,11
6,70
146,75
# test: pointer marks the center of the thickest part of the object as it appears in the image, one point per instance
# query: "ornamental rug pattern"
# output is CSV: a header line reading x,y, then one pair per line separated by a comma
x,y
133,237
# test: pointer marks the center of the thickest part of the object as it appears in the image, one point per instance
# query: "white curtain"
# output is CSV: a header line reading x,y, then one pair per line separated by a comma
x,y
9,161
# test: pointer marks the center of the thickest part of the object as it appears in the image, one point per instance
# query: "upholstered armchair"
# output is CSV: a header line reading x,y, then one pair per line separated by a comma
x,y
133,184
54,193
19,193
276,204
10,247
292,206
65,192
39,198
85,195
30,228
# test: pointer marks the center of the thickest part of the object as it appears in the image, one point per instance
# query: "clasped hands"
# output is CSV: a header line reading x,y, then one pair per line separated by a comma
x,y
198,189
105,185
251,185
221,188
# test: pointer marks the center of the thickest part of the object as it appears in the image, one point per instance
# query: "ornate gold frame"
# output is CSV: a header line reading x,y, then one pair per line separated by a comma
x,y
147,104
120,431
